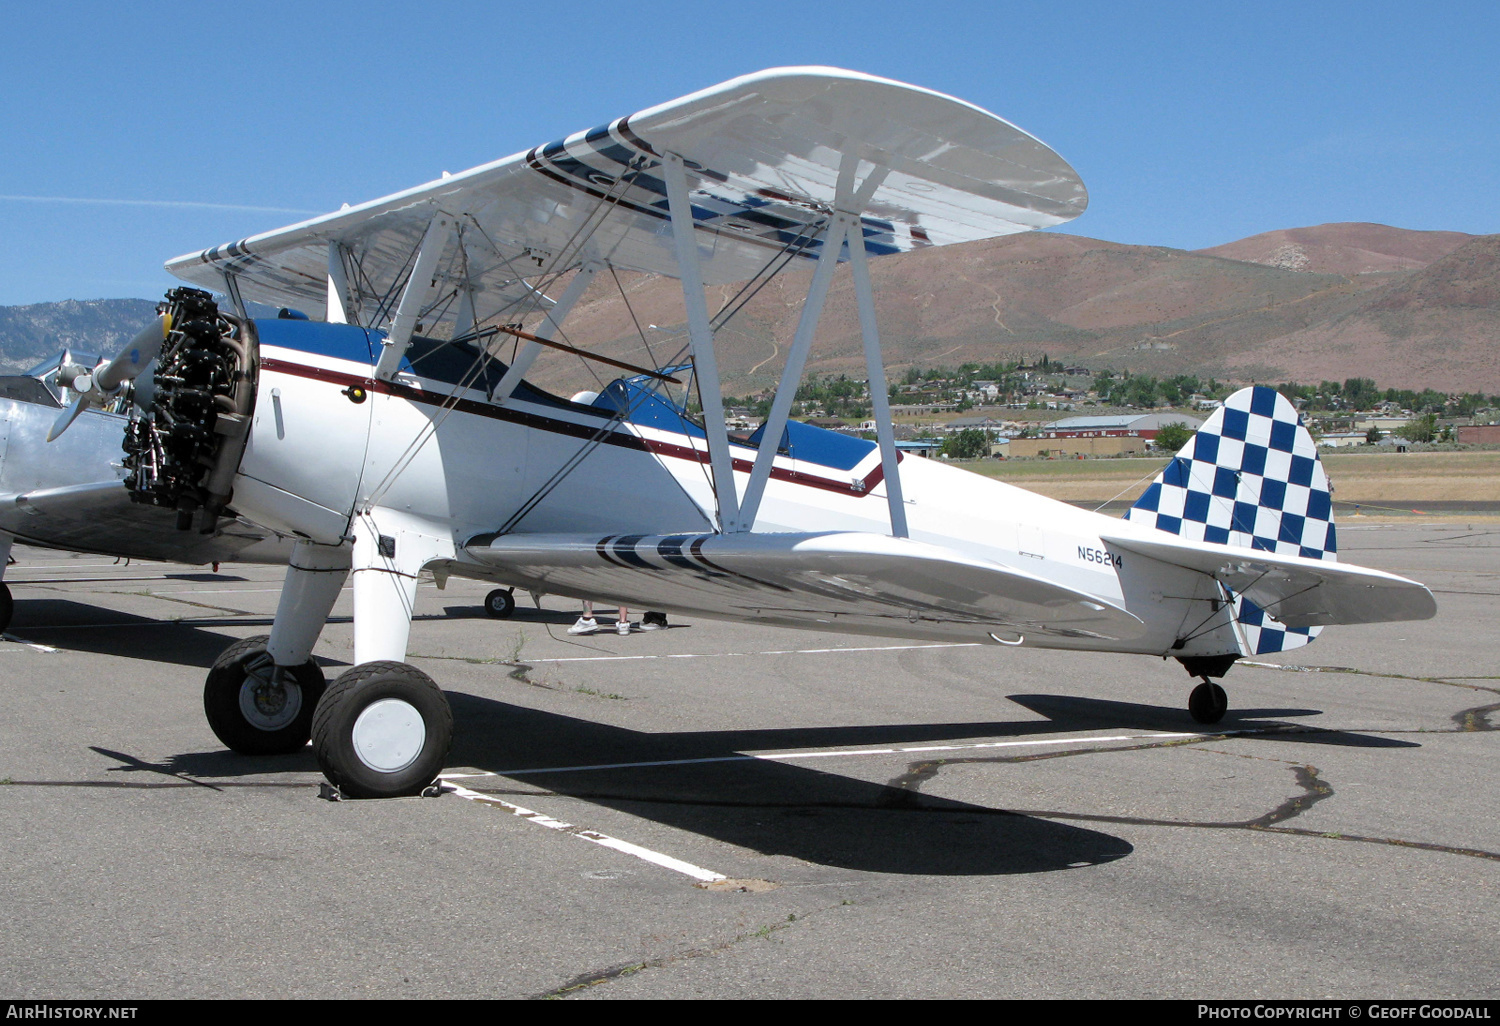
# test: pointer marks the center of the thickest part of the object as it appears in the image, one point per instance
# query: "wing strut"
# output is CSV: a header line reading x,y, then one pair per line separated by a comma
x,y
342,307
555,316
880,405
847,205
418,286
702,339
791,375
232,290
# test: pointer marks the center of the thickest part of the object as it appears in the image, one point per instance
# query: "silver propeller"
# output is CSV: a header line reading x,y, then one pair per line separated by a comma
x,y
95,386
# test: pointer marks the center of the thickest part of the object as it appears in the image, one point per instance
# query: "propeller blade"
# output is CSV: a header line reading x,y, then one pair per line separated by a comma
x,y
133,359
67,417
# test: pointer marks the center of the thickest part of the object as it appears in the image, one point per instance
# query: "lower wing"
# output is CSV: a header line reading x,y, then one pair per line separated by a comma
x,y
846,580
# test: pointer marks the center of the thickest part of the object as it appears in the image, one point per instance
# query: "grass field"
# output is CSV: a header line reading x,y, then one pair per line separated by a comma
x,y
1402,478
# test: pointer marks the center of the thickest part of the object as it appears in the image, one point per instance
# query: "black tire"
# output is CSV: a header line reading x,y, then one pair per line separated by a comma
x,y
270,722
1208,703
385,763
500,603
652,616
7,607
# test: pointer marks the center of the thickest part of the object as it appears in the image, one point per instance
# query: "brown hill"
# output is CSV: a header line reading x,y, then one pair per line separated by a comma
x,y
1347,248
1148,309
1433,328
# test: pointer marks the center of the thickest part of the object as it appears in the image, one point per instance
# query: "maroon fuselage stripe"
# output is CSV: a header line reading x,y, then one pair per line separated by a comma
x,y
858,489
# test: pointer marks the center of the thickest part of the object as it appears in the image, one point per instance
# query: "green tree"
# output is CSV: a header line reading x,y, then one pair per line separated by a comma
x,y
968,444
1419,429
1373,436
1172,437
1360,393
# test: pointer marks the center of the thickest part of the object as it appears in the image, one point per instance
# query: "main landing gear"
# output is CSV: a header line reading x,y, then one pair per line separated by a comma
x,y
383,728
256,707
1208,703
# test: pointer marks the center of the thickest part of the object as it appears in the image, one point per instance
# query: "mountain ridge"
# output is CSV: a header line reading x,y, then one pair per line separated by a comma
x,y
1412,309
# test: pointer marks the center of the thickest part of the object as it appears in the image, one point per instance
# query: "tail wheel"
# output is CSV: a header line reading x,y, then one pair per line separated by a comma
x,y
256,708
500,603
1208,703
7,607
382,730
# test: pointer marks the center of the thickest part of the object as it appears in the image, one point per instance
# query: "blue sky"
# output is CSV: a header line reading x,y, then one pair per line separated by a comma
x,y
1193,124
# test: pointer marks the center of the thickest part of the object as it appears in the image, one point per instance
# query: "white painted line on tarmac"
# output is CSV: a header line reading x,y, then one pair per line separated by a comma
x,y
29,644
844,752
64,565
216,591
743,655
604,840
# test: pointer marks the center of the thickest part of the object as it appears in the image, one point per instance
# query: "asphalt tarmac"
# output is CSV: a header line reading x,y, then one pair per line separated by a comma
x,y
738,812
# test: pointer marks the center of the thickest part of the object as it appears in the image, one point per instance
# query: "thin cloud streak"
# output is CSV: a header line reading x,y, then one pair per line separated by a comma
x,y
176,204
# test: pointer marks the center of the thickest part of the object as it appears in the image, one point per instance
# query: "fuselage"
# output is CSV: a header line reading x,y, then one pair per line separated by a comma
x,y
328,440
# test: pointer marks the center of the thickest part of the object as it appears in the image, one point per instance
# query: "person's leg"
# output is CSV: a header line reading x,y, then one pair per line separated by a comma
x,y
586,623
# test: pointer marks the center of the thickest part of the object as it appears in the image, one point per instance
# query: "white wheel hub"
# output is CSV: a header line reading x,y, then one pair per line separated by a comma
x,y
268,706
389,735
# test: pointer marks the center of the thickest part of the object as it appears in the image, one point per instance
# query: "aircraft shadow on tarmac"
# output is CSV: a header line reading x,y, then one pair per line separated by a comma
x,y
1066,712
769,807
524,614
779,808
82,627
776,808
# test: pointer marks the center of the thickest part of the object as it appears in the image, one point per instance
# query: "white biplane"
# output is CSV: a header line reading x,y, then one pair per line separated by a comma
x,y
399,433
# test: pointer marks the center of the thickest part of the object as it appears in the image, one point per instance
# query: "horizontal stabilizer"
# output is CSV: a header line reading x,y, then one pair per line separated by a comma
x,y
851,581
1297,591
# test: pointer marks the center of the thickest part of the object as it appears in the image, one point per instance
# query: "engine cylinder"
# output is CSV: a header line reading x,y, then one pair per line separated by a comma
x,y
185,441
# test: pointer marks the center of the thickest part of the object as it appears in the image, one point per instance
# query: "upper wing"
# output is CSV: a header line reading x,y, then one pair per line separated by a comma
x,y
845,580
764,153
1298,592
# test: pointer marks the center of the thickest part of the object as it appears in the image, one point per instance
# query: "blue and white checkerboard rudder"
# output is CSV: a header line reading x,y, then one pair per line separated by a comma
x,y
1249,477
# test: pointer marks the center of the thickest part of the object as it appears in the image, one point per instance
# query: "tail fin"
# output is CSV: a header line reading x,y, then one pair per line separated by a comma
x,y
1249,477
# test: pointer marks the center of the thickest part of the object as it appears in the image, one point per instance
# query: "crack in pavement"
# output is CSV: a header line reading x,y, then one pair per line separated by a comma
x,y
1466,721
904,790
188,602
585,981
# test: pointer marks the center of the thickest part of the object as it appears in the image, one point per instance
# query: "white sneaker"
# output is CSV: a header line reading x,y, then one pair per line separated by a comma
x,y
585,625
622,628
